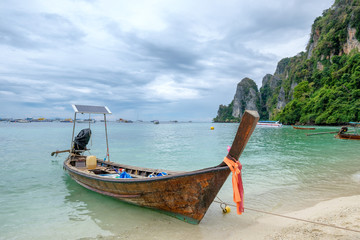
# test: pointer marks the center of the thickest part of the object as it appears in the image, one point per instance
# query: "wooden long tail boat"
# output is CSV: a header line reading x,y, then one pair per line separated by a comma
x,y
344,134
184,195
302,128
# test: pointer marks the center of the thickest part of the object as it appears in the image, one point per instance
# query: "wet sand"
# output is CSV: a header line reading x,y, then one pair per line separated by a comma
x,y
343,212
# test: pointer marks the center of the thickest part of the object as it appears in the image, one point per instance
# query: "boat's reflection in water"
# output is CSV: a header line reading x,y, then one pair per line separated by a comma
x,y
109,214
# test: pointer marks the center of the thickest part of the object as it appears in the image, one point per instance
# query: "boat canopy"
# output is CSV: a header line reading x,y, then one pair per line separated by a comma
x,y
91,109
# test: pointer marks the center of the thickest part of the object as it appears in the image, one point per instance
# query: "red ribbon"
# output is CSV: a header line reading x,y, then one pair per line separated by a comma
x,y
238,189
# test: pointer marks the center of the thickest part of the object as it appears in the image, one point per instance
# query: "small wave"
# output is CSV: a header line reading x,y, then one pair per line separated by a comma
x,y
356,177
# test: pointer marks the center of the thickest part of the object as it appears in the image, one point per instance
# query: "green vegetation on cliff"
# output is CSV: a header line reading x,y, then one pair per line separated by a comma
x,y
225,114
329,81
330,96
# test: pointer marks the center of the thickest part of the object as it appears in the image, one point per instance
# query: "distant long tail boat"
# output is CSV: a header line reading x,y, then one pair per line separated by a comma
x,y
303,128
184,195
348,136
343,134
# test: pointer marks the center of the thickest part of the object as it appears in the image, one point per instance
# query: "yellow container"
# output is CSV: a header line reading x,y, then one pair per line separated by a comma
x,y
91,162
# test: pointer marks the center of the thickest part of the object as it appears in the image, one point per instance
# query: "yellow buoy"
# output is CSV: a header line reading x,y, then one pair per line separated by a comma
x,y
226,209
212,128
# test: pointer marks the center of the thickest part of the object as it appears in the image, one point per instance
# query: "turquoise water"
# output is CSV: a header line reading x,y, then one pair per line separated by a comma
x,y
283,170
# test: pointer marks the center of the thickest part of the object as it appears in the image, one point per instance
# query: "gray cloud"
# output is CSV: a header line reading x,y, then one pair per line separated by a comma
x,y
164,60
40,30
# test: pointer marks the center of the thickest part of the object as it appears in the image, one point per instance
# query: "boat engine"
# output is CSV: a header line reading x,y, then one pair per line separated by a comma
x,y
343,130
82,139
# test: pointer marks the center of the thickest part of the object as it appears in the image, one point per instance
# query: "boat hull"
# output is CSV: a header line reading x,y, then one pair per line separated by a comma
x,y
348,136
186,196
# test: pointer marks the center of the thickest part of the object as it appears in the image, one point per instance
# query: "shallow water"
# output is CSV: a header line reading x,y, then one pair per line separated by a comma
x,y
283,170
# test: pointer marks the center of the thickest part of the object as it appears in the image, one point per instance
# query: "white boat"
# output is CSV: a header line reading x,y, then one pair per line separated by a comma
x,y
22,121
85,120
269,124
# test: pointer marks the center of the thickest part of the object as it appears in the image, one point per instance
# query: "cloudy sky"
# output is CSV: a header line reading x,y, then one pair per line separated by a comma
x,y
144,59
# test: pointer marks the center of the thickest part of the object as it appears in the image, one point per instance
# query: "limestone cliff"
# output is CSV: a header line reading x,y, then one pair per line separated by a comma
x,y
351,41
271,86
246,97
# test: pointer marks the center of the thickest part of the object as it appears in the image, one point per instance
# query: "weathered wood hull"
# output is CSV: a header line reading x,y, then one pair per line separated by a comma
x,y
186,196
348,136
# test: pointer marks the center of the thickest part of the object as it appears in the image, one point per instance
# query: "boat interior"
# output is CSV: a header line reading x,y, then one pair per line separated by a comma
x,y
114,170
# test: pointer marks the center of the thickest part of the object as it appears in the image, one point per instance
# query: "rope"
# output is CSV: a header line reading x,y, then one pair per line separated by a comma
x,y
293,218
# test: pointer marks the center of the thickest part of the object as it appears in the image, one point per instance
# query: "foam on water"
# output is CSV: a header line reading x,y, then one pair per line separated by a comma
x,y
356,177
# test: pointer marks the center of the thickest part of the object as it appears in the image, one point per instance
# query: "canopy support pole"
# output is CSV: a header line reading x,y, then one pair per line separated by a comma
x,y
72,138
107,143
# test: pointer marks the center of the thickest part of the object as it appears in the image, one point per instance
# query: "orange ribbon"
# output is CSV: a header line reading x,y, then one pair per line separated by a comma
x,y
238,189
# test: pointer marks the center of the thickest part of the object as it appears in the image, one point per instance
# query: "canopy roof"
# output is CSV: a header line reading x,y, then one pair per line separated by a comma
x,y
91,109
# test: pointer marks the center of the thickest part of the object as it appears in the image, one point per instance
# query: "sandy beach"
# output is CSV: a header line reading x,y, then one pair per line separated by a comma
x,y
342,212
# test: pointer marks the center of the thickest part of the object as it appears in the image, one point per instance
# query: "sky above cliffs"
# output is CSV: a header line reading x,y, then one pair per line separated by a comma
x,y
145,60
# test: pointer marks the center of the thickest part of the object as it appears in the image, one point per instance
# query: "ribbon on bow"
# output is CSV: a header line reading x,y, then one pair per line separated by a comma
x,y
238,189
